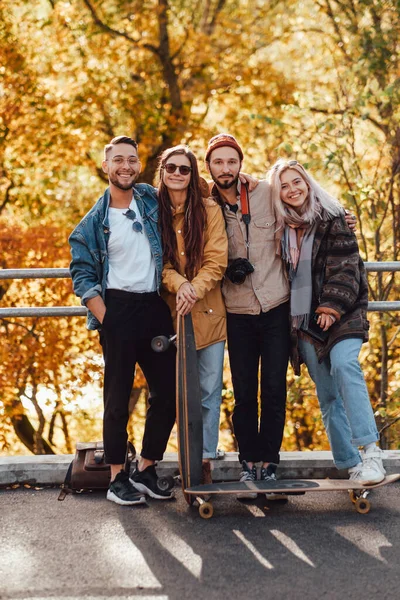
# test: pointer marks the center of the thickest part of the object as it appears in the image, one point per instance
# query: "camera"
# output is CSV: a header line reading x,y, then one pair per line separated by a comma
x,y
238,270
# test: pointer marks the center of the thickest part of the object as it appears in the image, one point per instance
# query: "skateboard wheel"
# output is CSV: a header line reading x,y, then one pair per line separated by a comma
x,y
362,505
165,483
206,510
160,343
353,496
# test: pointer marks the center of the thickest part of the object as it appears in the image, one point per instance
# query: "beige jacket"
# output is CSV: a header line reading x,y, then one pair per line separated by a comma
x,y
268,286
209,317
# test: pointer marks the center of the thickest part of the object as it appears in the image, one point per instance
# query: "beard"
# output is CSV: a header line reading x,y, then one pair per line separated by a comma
x,y
123,186
225,185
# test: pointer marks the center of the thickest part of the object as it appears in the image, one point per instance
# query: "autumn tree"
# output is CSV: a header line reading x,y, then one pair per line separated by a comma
x,y
165,72
313,80
344,124
46,363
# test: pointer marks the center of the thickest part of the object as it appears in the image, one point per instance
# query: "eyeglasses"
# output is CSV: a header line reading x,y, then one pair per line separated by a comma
x,y
120,160
292,163
136,225
171,168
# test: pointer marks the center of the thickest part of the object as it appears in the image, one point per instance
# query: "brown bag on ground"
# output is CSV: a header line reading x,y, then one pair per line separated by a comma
x,y
88,471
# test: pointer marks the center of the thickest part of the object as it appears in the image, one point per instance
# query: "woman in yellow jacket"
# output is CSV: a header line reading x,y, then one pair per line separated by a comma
x,y
195,249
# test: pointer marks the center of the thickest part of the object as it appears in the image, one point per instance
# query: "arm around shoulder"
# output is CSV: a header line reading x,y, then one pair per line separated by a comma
x,y
342,272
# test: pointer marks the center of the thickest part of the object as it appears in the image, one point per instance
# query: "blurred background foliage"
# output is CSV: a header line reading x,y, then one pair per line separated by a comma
x,y
318,81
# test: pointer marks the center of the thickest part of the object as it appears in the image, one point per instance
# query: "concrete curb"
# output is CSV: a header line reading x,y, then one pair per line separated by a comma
x,y
51,469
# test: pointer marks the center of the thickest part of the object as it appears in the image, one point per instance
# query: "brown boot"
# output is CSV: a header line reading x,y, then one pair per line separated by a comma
x,y
206,473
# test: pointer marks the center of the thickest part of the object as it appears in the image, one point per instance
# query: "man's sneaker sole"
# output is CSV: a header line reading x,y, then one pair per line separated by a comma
x,y
114,498
277,496
247,496
145,490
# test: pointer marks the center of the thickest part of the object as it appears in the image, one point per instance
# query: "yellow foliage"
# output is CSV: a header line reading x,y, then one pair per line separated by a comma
x,y
316,81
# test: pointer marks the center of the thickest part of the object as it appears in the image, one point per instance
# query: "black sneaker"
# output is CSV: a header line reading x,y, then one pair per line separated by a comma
x,y
122,491
269,474
247,475
147,482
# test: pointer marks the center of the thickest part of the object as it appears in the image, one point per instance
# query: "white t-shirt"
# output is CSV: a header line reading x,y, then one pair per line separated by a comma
x,y
131,264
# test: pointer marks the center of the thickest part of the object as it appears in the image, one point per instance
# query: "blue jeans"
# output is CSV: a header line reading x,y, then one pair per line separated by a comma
x,y
343,397
211,363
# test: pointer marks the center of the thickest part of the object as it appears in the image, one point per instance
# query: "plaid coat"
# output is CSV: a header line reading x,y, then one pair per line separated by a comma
x,y
340,286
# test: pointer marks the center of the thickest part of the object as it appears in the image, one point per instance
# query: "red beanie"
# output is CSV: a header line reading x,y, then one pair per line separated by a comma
x,y
220,140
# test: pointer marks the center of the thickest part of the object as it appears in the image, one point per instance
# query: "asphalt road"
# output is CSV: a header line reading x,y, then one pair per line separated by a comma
x,y
316,546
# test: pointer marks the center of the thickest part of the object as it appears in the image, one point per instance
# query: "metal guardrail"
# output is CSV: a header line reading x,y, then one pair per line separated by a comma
x,y
35,274
81,311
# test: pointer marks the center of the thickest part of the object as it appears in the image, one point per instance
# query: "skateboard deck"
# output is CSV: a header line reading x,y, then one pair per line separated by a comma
x,y
188,408
358,495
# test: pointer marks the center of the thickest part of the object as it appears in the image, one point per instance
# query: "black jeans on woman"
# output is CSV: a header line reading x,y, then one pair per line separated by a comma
x,y
250,338
130,323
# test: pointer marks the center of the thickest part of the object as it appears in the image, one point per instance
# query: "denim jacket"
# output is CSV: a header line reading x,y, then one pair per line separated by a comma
x,y
89,245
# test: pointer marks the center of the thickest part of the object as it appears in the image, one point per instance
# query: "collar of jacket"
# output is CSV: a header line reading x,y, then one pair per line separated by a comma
x,y
217,196
104,204
177,211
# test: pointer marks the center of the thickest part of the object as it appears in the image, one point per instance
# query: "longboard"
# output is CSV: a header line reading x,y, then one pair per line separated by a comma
x,y
188,408
289,486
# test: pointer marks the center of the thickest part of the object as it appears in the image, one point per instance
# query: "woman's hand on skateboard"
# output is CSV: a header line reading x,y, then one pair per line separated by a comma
x,y
186,298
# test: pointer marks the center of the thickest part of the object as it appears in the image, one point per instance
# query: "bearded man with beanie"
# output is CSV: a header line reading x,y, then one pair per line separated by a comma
x,y
256,293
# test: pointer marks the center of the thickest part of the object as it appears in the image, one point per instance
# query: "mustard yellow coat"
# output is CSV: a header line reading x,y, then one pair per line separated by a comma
x,y
209,316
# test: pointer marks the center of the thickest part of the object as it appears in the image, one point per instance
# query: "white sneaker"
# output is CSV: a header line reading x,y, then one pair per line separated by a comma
x,y
355,474
371,470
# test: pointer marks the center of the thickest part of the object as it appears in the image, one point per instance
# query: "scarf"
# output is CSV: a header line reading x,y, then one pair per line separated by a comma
x,y
296,245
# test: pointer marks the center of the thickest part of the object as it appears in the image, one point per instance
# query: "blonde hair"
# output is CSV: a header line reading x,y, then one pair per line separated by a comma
x,y
318,202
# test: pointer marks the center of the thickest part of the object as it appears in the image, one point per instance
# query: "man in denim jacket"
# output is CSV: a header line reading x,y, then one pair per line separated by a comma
x,y
116,271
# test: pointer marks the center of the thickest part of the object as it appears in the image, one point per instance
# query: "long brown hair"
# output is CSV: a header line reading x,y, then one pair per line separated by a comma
x,y
194,221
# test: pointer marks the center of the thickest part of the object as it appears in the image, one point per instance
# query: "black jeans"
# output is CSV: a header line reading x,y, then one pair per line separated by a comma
x,y
251,338
130,323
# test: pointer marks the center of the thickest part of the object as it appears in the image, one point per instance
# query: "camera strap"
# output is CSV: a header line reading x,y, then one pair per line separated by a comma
x,y
245,207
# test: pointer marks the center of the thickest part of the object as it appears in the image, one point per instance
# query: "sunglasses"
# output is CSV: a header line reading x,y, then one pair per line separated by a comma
x,y
136,225
290,163
171,168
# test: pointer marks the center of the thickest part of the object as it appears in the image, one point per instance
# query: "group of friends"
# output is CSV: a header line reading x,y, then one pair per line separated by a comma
x,y
271,266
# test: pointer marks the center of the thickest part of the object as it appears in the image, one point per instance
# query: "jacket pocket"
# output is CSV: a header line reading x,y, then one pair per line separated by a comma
x,y
209,312
264,228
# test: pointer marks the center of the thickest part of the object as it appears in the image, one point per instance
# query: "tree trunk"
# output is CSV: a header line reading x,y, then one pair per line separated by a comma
x,y
150,170
27,434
